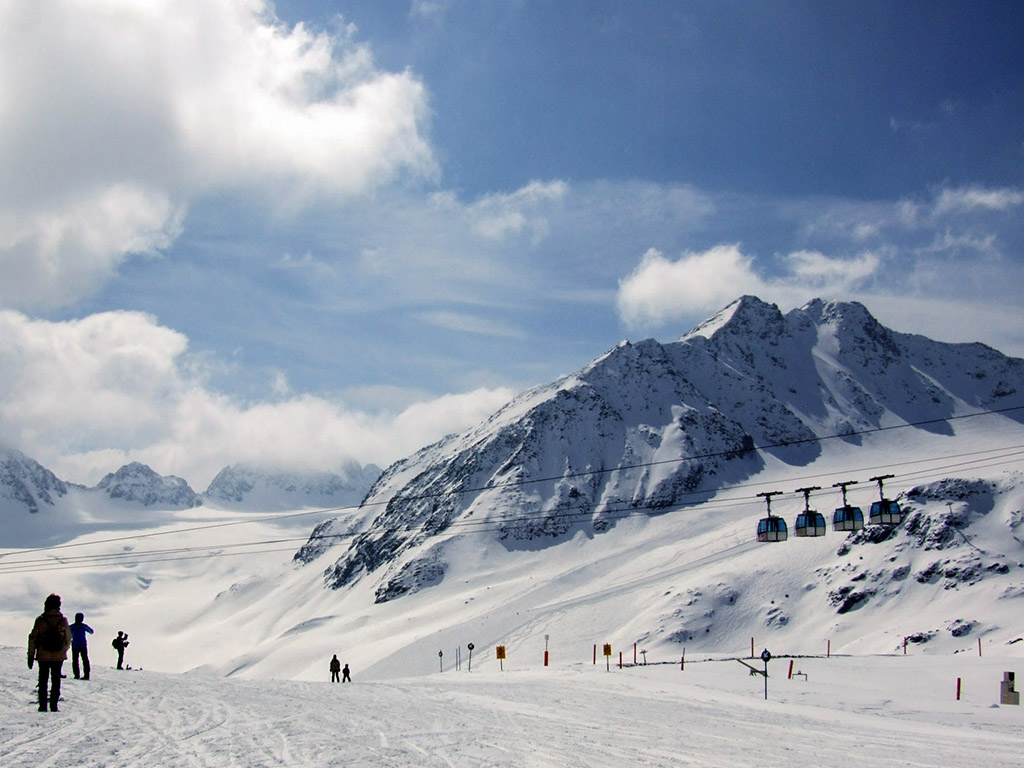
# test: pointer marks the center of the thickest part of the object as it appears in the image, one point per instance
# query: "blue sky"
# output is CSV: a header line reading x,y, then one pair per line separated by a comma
x,y
313,232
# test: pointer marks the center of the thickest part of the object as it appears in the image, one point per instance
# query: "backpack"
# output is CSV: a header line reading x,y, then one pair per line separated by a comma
x,y
52,639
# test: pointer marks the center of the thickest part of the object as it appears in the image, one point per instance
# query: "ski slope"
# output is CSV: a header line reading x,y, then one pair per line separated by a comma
x,y
851,711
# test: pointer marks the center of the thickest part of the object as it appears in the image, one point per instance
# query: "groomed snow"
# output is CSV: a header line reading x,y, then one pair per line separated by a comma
x,y
849,711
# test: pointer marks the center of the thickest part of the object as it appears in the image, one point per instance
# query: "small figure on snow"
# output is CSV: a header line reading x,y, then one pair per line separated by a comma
x,y
335,669
79,646
48,643
119,643
345,676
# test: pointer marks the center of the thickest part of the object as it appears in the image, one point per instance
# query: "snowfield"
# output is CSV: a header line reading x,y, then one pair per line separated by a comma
x,y
513,535
849,711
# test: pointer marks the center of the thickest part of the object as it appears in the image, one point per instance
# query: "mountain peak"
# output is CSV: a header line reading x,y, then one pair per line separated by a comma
x,y
739,316
137,483
25,484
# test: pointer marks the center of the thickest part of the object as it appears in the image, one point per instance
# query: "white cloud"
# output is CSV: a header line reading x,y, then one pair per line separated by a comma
x,y
433,10
660,290
86,395
53,256
468,323
118,114
817,271
499,215
969,199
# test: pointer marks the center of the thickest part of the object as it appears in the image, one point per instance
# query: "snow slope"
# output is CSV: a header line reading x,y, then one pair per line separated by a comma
x,y
852,711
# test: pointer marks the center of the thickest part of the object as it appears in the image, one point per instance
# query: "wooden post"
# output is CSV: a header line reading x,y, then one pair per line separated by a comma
x,y
634,654
904,646
958,689
751,647
828,650
979,646
790,670
595,654
620,659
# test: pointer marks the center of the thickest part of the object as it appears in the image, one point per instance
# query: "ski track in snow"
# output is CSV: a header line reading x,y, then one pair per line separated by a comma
x,y
646,716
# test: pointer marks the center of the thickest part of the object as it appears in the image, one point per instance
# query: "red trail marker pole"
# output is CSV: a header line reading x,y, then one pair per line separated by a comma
x,y
790,670
958,689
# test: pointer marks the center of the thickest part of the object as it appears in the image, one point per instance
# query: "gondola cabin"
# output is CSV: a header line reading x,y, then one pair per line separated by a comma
x,y
809,522
771,528
847,517
884,511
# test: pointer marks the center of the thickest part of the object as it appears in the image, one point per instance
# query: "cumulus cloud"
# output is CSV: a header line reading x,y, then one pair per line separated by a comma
x,y
660,290
84,396
117,115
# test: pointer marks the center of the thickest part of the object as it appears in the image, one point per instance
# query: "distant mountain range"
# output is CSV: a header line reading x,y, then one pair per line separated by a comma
x,y
28,487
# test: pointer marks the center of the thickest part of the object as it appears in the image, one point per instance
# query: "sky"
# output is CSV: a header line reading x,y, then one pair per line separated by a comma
x,y
312,232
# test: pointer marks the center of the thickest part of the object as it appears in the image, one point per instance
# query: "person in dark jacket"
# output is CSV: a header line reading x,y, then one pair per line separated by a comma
x,y
335,669
345,676
120,643
48,644
79,646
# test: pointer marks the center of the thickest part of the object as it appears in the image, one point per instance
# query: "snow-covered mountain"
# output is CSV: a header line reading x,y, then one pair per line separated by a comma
x,y
26,485
617,505
652,426
249,487
137,483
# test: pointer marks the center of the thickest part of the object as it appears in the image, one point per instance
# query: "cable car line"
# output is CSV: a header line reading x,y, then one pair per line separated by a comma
x,y
494,523
652,505
489,525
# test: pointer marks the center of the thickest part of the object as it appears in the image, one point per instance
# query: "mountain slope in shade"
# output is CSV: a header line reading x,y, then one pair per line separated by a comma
x,y
652,426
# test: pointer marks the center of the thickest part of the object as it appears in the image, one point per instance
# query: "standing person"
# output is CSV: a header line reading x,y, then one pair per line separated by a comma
x,y
120,643
335,669
344,675
48,643
79,646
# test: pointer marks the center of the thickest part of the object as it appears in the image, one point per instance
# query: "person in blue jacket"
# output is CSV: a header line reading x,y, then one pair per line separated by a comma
x,y
79,646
